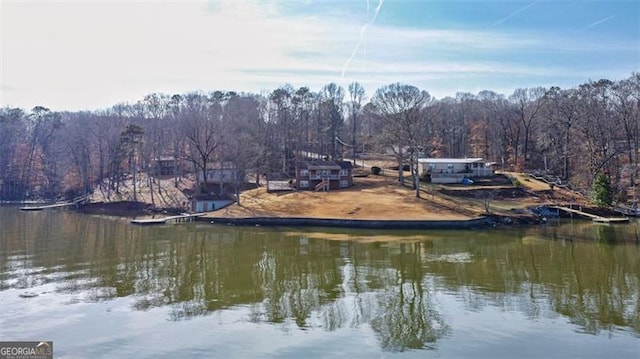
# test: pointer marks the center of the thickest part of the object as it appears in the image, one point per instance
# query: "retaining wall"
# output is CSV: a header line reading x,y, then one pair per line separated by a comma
x,y
351,223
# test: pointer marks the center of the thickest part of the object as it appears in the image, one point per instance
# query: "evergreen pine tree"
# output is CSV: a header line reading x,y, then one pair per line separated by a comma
x,y
601,194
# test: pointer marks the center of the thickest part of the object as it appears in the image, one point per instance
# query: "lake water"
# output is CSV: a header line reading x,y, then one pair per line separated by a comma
x,y
99,287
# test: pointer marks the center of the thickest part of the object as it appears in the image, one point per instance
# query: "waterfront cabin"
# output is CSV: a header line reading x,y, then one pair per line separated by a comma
x,y
322,175
164,166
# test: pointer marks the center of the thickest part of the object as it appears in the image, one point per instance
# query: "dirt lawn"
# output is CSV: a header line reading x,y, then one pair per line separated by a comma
x,y
373,197
382,198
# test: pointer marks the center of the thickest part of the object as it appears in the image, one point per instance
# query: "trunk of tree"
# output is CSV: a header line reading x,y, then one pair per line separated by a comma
x,y
415,175
400,167
565,154
150,180
236,181
353,139
134,176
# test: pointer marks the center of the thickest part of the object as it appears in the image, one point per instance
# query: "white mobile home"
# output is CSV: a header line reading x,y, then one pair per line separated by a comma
x,y
454,170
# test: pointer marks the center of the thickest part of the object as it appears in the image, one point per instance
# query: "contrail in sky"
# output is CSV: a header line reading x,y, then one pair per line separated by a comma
x,y
362,33
514,14
364,46
596,23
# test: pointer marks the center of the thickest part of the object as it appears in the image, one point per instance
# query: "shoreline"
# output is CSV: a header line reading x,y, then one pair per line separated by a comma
x,y
445,224
130,209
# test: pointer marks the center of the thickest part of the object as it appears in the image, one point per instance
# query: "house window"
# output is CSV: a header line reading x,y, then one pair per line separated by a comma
x,y
344,172
323,173
344,184
304,172
304,184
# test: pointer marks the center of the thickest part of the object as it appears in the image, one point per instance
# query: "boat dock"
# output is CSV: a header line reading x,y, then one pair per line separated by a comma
x,y
593,217
185,217
55,205
40,208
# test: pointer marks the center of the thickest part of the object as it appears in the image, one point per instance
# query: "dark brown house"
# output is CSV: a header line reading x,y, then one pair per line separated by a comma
x,y
164,166
323,175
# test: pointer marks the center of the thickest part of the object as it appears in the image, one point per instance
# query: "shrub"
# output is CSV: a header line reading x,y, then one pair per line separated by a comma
x,y
601,192
516,182
376,170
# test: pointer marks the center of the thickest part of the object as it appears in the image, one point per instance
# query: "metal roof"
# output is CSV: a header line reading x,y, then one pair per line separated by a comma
x,y
319,165
323,167
450,160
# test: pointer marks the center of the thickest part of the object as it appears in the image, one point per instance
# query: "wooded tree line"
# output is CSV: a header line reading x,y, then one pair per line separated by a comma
x,y
573,134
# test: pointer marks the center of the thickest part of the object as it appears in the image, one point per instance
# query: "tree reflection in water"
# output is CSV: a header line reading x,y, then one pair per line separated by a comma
x,y
408,318
305,281
400,310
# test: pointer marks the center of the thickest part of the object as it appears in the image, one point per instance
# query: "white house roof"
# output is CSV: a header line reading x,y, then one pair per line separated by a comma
x,y
450,160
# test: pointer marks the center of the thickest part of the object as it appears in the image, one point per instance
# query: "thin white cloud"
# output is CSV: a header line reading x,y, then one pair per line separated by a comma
x,y
446,38
93,55
64,51
508,17
596,23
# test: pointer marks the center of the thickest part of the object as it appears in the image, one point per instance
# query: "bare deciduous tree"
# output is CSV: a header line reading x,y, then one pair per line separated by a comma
x,y
405,124
527,105
356,96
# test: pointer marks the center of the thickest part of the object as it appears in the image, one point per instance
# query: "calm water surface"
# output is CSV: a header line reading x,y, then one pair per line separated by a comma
x,y
100,287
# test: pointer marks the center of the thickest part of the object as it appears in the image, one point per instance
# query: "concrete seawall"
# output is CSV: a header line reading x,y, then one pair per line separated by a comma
x,y
480,222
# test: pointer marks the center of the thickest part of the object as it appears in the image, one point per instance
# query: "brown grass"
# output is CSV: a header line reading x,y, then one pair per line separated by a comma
x,y
373,197
382,197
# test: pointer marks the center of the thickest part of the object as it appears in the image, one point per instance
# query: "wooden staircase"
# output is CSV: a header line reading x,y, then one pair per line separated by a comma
x,y
323,185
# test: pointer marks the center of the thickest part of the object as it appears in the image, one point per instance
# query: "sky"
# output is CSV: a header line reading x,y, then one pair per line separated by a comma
x,y
90,55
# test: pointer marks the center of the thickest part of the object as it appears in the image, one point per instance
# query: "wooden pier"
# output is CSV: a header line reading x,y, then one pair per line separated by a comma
x,y
611,220
593,217
185,217
55,205
40,208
